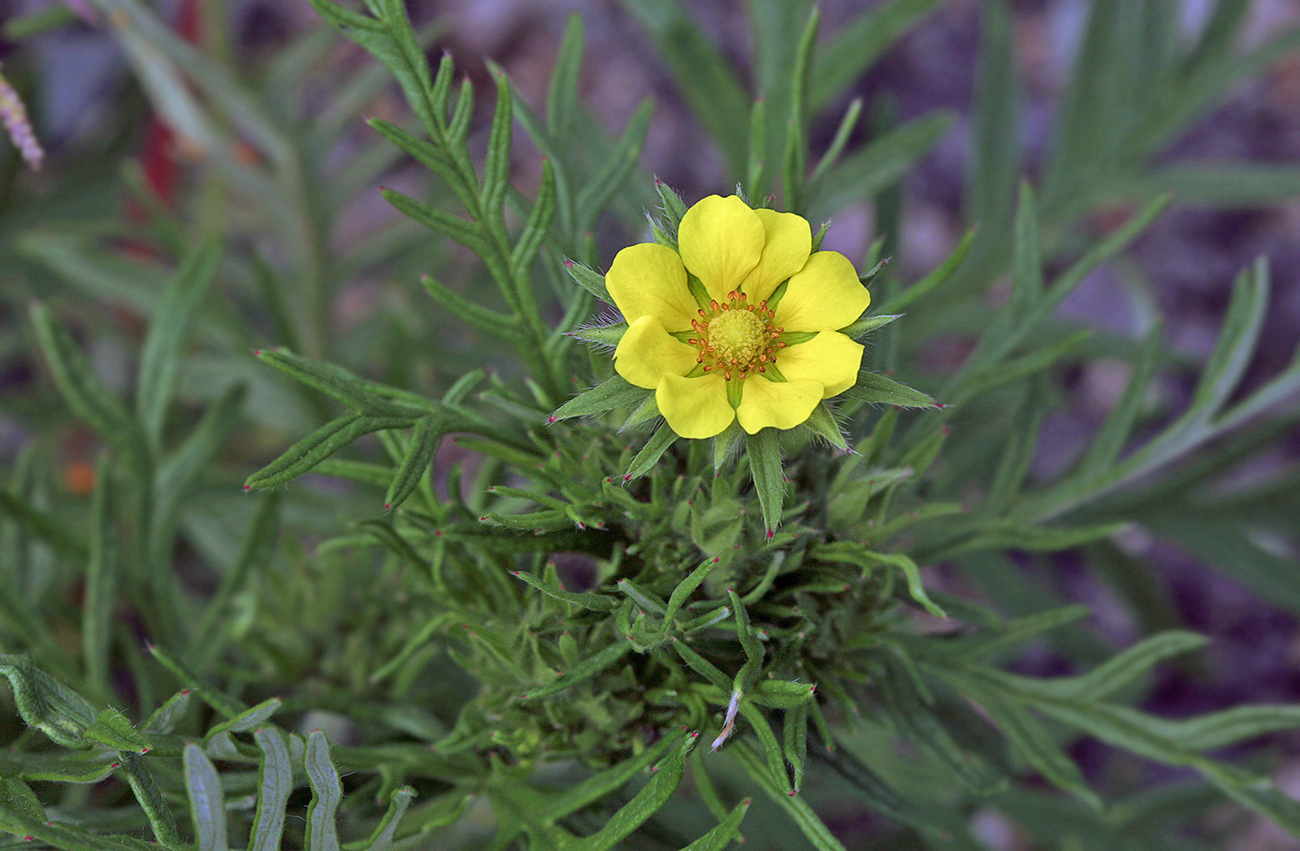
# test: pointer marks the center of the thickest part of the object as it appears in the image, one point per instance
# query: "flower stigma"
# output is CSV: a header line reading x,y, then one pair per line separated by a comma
x,y
736,337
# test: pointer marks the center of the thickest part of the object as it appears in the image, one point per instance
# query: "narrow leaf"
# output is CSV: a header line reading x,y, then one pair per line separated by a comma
x,y
207,801
326,794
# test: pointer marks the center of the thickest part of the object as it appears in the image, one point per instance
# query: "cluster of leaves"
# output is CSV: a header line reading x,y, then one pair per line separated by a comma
x,y
570,604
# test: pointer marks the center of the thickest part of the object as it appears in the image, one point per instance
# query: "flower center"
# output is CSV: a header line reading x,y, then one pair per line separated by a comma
x,y
736,337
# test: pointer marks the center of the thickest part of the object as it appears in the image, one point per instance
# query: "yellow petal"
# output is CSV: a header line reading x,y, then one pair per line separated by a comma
x,y
777,404
649,280
647,352
830,358
720,240
787,243
694,407
826,293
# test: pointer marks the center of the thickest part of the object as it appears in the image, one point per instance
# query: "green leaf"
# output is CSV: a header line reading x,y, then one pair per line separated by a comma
x,y
937,277
764,452
274,785
486,320
111,728
414,469
704,76
619,167
207,801
255,551
496,168
795,170
1012,634
90,768
649,455
584,670
877,165
192,458
1237,339
1110,439
721,836
538,226
18,806
382,838
85,393
321,444
794,805
102,569
585,600
224,704
1001,536
781,694
47,704
454,228
995,164
856,45
650,800
364,397
912,574
326,794
166,717
161,358
21,814
562,94
1032,742
150,798
44,527
879,795
604,783
686,588
247,720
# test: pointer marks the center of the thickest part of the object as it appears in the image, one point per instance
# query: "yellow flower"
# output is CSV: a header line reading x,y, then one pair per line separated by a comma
x,y
710,365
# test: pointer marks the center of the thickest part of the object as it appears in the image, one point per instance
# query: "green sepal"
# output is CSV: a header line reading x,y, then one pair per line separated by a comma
x,y
821,422
613,392
867,324
589,279
871,274
649,455
764,453
820,235
873,388
725,445
672,205
601,335
660,235
646,411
